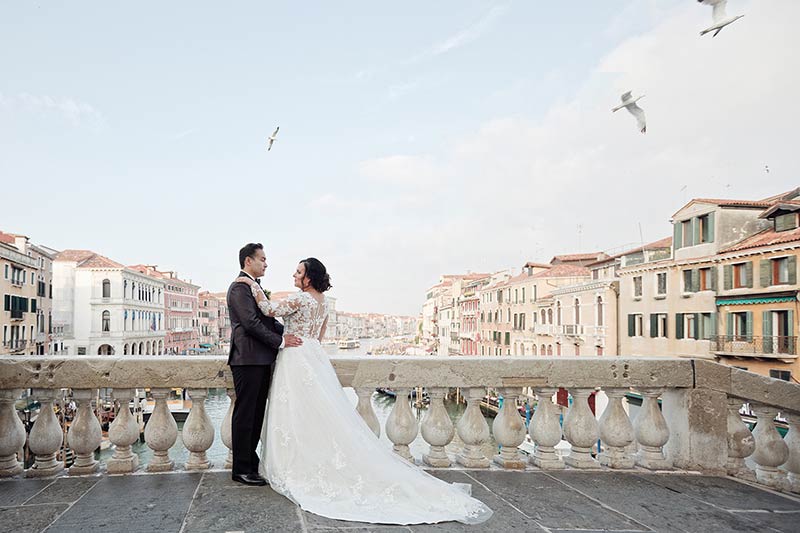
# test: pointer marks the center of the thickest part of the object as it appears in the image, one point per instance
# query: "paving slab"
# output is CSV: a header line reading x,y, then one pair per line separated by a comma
x,y
17,491
27,520
64,490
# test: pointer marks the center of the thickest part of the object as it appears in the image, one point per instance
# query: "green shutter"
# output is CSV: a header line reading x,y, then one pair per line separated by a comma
x,y
749,324
33,305
696,230
678,234
790,330
653,325
714,274
748,274
713,321
766,330
729,325
631,326
727,277
711,227
792,266
765,272
695,280
678,325
696,326
7,302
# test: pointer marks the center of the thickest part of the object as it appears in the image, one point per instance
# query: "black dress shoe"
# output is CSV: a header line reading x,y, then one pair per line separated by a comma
x,y
249,479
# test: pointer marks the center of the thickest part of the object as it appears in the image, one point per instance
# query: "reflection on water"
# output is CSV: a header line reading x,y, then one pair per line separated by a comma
x,y
217,405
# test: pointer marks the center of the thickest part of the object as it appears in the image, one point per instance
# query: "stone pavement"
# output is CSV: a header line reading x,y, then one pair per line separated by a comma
x,y
566,501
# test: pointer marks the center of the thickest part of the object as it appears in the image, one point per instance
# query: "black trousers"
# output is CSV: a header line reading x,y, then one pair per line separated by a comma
x,y
252,386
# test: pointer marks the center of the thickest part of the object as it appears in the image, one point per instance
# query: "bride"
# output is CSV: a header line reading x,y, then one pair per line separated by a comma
x,y
317,450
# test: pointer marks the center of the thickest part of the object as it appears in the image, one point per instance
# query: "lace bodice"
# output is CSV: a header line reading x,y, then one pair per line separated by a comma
x,y
302,314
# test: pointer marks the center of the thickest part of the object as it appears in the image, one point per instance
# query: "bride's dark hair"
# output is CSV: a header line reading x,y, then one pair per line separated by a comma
x,y
317,274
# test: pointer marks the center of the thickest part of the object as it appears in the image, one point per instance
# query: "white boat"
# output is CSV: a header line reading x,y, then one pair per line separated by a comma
x,y
349,344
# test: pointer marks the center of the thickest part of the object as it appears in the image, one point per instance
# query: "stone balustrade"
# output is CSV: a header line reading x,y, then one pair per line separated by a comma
x,y
695,427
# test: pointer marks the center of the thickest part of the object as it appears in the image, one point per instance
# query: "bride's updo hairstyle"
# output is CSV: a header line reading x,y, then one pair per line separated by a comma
x,y
317,274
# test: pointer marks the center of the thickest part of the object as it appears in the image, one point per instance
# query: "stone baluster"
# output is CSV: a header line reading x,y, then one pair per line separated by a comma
x,y
652,433
771,450
437,430
225,429
545,431
792,440
12,433
401,426
123,433
473,431
741,443
198,431
581,430
364,408
160,433
84,434
46,436
509,432
616,432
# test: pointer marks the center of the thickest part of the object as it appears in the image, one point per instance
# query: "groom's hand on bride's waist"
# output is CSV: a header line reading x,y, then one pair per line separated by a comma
x,y
291,341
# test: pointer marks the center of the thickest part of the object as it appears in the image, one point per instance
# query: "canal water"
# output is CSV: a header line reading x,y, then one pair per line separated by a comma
x,y
218,401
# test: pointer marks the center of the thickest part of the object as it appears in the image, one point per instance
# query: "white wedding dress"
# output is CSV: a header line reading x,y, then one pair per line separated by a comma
x,y
318,452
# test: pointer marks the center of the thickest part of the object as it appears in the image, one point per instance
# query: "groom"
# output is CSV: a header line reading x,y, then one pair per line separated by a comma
x,y
255,341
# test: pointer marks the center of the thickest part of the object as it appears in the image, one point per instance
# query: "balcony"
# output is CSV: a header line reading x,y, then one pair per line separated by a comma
x,y
776,347
572,330
17,314
687,474
15,345
15,282
543,329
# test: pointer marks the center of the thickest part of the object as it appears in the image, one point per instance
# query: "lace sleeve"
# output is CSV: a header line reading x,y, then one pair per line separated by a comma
x,y
282,308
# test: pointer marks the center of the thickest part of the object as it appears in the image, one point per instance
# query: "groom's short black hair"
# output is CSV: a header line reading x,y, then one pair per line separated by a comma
x,y
249,250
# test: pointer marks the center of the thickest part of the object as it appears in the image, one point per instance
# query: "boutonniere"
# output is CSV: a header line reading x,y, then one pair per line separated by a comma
x,y
267,293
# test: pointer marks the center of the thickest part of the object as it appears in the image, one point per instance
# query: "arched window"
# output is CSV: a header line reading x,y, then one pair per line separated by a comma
x,y
549,316
544,317
141,348
577,306
533,350
599,310
125,350
148,348
106,321
558,313
544,350
558,349
106,288
550,349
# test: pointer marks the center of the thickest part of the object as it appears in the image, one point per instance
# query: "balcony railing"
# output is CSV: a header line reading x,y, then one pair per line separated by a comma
x,y
16,282
15,345
543,329
572,330
17,314
698,426
780,347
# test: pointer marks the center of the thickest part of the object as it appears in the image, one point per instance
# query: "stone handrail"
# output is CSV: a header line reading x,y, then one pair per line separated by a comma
x,y
697,428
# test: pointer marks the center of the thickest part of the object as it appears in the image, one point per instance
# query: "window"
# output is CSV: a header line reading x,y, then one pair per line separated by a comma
x,y
106,288
635,323
106,321
786,222
577,307
705,229
691,326
686,233
558,313
81,350
599,310
780,271
658,325
740,275
6,272
705,279
523,295
740,326
637,286
550,317
708,326
687,281
785,375
661,283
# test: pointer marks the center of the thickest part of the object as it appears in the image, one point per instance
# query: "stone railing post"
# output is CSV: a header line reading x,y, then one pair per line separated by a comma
x,y
473,431
198,431
84,434
771,451
225,429
581,431
123,433
616,432
46,436
545,431
509,432
652,433
12,433
364,408
741,443
437,430
160,433
792,440
698,429
401,426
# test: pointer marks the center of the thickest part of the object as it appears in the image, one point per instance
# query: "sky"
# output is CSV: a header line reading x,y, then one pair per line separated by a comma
x,y
416,138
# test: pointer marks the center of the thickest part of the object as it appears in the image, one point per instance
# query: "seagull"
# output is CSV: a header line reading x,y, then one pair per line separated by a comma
x,y
721,19
630,104
272,138
766,169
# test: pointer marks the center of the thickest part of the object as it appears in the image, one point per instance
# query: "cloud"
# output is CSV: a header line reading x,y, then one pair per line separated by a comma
x,y
76,112
465,36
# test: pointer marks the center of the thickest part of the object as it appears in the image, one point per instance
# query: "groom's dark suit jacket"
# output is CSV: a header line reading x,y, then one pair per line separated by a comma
x,y
255,338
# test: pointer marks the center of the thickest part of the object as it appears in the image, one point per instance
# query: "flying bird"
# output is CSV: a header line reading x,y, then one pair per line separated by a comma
x,y
721,18
272,138
629,103
766,169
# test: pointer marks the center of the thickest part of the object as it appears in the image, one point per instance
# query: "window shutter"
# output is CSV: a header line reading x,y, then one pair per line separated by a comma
x,y
791,263
766,330
748,274
678,325
653,325
714,274
749,324
695,230
765,272
790,330
7,302
631,326
727,277
676,239
696,326
33,305
711,227
713,332
695,280
729,324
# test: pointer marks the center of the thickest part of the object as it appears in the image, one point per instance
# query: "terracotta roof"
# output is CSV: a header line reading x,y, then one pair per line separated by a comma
x,y
576,257
87,259
768,237
783,205
531,264
564,271
6,237
666,242
788,195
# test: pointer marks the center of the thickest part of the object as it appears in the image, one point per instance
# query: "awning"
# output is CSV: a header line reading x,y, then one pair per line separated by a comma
x,y
205,345
750,301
